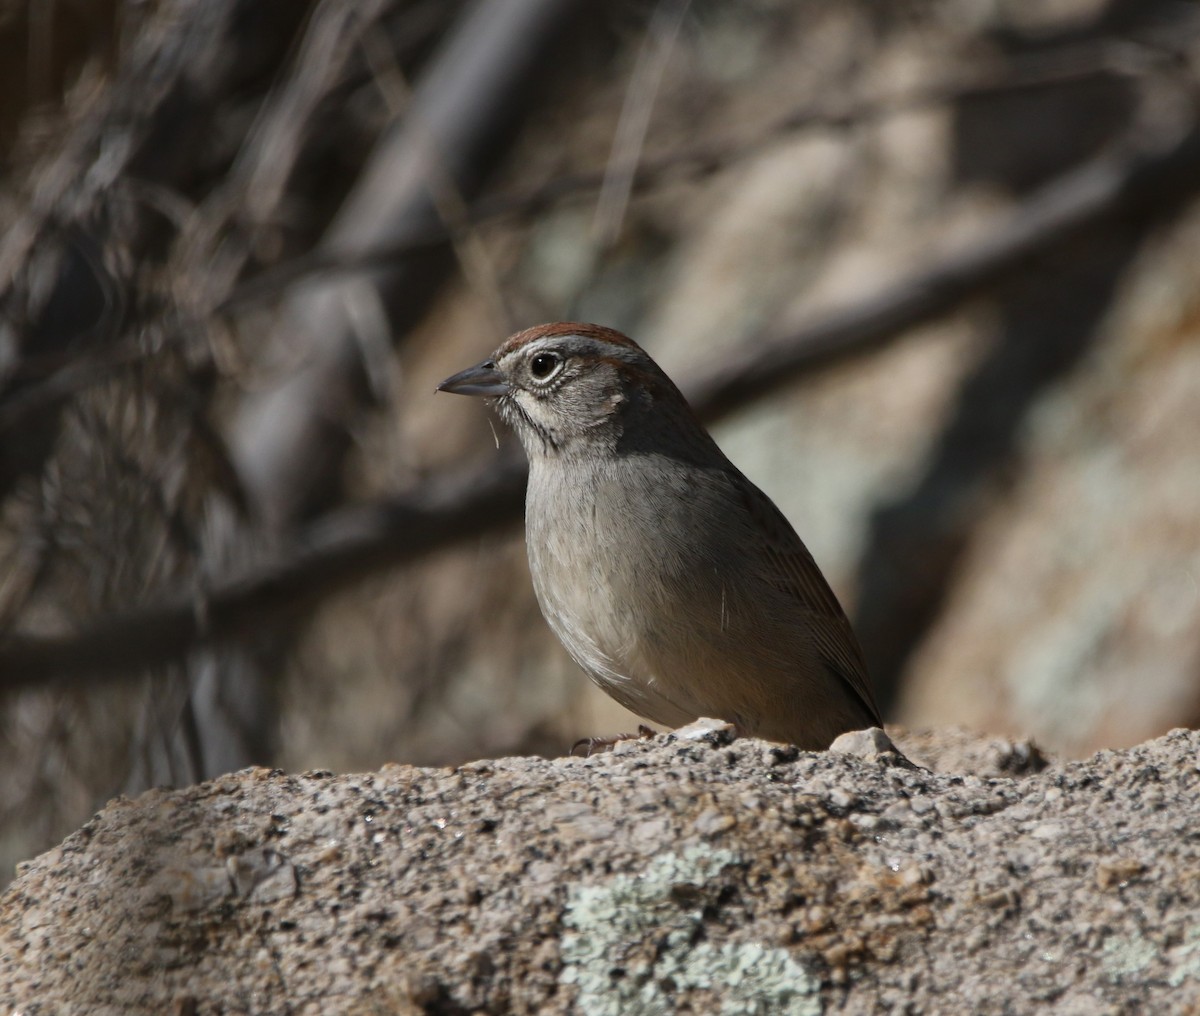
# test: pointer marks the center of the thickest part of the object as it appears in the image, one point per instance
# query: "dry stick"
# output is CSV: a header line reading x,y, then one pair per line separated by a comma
x,y
355,542
630,136
337,550
61,382
656,171
453,214
287,437
203,268
1127,181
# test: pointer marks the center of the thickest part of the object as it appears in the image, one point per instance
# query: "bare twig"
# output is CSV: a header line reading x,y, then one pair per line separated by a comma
x,y
62,382
355,542
630,135
1145,179
417,240
340,549
252,193
1030,74
288,438
454,214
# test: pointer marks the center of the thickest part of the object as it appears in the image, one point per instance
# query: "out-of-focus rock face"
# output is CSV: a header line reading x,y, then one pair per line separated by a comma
x,y
667,876
1076,614
1005,498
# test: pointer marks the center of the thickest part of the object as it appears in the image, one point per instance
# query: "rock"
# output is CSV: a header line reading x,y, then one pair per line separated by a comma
x,y
678,875
954,750
868,744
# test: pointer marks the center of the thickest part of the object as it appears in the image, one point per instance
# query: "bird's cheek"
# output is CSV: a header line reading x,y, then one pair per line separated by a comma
x,y
539,411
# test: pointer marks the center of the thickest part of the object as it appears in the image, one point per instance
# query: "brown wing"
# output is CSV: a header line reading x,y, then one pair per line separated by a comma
x,y
794,572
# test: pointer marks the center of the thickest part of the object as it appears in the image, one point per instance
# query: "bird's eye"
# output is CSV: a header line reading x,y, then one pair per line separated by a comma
x,y
543,365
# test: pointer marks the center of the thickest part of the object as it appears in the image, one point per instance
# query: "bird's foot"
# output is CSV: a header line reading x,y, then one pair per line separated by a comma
x,y
593,745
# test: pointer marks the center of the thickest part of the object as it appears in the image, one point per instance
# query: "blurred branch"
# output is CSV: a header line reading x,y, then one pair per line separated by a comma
x,y
288,438
61,382
630,135
1046,70
1139,180
336,551
348,545
447,198
420,239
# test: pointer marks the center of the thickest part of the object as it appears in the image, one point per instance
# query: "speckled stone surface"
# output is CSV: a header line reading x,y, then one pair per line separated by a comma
x,y
670,875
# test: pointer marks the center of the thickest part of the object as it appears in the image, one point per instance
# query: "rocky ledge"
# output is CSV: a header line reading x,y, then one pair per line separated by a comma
x,y
677,874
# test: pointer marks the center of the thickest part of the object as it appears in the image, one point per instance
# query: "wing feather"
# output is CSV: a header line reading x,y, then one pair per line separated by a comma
x,y
792,570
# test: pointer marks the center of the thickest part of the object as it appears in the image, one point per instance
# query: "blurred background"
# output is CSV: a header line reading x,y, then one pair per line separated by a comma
x,y
930,269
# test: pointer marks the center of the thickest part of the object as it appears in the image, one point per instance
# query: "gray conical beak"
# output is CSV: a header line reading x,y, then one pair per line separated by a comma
x,y
482,379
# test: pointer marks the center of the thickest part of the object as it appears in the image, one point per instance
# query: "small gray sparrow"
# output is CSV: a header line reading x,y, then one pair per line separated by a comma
x,y
671,579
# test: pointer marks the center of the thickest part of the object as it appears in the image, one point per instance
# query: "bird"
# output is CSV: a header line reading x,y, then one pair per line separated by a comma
x,y
672,580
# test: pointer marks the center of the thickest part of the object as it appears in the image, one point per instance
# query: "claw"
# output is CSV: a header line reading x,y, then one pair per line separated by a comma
x,y
598,744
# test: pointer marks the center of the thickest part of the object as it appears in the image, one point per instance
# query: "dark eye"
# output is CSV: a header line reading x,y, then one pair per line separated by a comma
x,y
543,365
